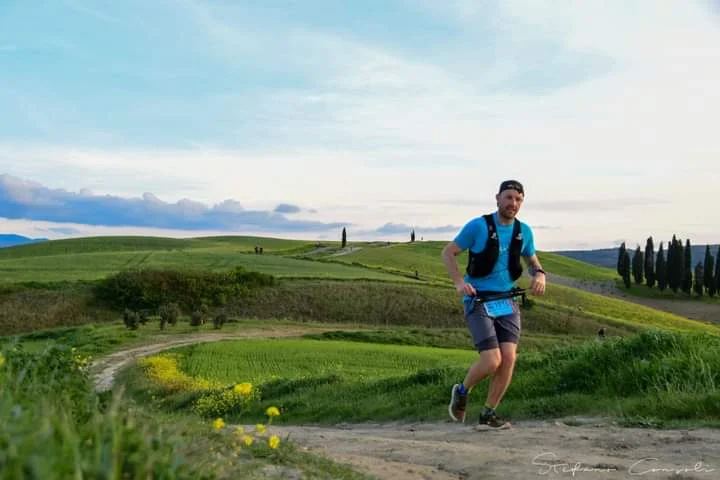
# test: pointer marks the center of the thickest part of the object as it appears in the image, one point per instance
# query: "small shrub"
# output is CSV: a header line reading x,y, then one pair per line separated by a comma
x,y
131,319
219,321
169,314
196,319
143,317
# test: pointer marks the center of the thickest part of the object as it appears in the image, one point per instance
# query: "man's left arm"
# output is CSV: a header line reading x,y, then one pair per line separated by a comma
x,y
537,286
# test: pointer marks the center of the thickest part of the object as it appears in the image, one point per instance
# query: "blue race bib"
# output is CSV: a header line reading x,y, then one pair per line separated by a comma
x,y
499,308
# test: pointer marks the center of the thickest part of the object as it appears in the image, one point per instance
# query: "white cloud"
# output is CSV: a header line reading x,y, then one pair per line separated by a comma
x,y
375,127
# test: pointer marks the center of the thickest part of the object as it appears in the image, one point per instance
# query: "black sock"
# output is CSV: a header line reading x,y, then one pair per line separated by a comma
x,y
488,410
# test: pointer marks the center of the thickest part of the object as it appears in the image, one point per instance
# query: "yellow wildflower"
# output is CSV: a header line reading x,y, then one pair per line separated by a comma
x,y
2,360
248,440
243,388
272,412
274,441
218,424
260,428
239,430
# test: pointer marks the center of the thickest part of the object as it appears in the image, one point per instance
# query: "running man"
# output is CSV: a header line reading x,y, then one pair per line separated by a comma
x,y
493,267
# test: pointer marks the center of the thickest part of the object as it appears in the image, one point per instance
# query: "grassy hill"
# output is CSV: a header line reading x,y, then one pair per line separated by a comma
x,y
240,244
424,258
385,338
95,258
313,284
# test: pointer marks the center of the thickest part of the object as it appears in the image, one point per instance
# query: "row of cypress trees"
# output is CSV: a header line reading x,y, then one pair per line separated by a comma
x,y
674,271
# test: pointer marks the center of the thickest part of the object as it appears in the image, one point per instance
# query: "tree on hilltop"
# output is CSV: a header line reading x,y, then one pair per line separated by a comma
x,y
621,257
661,269
687,281
650,262
625,268
698,287
708,273
637,265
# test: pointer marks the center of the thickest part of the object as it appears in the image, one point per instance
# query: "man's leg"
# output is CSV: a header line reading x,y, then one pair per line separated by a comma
x,y
482,330
508,333
487,364
501,379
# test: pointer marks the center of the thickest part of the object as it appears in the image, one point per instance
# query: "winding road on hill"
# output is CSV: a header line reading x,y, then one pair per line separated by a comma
x,y
693,309
564,448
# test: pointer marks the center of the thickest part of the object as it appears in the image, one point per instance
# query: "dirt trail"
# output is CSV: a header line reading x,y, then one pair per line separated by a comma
x,y
695,310
529,450
445,451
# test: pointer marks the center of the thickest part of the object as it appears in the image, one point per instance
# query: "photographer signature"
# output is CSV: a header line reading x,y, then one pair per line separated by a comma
x,y
548,463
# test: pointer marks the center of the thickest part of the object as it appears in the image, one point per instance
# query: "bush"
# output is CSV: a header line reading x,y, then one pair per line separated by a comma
x,y
131,319
196,319
219,321
169,314
192,290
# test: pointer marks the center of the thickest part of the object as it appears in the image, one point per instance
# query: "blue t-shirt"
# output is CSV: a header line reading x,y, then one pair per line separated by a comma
x,y
474,235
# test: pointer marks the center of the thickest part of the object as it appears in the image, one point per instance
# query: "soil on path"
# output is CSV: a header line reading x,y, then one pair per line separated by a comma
x,y
445,451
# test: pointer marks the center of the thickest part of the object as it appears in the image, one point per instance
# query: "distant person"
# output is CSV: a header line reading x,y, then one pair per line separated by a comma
x,y
493,267
601,333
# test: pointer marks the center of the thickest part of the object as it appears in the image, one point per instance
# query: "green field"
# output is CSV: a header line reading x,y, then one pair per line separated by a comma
x,y
240,244
425,259
96,265
331,381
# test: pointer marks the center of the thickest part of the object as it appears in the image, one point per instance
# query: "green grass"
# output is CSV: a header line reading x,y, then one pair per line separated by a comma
x,y
101,339
456,338
571,268
562,309
618,311
97,265
257,360
653,375
425,258
53,426
240,244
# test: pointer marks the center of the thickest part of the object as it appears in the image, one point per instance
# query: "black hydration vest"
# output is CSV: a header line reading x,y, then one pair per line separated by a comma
x,y
482,263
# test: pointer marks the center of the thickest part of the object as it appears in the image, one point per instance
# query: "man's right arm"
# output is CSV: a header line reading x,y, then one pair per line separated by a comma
x,y
449,253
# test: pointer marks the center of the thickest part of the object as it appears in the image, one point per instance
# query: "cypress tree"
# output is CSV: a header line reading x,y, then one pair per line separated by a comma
x,y
671,268
708,274
344,238
661,269
687,282
650,262
621,257
717,272
637,265
698,287
625,268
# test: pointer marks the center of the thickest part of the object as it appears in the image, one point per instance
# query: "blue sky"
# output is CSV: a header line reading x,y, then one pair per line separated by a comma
x,y
191,117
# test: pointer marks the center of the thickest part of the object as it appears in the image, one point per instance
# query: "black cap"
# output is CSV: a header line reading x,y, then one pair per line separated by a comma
x,y
511,184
